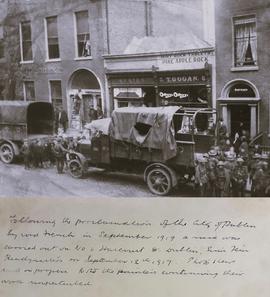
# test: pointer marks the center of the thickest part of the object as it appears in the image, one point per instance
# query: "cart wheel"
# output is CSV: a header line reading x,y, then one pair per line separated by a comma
x,y
75,168
6,153
159,181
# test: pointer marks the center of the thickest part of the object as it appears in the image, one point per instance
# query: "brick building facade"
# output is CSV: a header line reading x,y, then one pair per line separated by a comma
x,y
55,49
243,61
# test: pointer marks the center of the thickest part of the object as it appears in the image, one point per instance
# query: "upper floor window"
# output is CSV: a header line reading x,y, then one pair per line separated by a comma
x,y
29,91
56,93
245,41
82,34
26,41
52,38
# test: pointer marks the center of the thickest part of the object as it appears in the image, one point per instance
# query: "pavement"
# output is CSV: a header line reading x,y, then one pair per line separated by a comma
x,y
15,181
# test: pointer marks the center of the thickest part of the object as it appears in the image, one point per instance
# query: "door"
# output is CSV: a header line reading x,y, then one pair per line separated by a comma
x,y
240,119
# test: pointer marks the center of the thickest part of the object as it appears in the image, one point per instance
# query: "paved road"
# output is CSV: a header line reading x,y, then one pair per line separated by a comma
x,y
15,181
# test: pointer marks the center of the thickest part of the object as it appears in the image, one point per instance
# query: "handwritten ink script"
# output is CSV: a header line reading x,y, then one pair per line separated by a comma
x,y
43,249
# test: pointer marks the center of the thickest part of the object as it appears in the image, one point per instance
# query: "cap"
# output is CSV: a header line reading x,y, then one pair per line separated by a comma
x,y
240,160
220,163
256,156
264,157
212,153
205,155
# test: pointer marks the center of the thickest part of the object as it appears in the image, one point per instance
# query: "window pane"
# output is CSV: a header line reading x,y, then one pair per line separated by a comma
x,y
56,90
83,36
26,31
245,39
27,54
52,27
29,88
54,51
53,42
82,22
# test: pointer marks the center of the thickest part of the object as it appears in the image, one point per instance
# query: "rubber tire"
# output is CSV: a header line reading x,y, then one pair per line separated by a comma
x,y
78,164
11,152
164,175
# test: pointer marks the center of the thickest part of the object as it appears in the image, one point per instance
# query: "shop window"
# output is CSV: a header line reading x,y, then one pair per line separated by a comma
x,y
245,41
29,91
52,38
82,34
56,93
26,41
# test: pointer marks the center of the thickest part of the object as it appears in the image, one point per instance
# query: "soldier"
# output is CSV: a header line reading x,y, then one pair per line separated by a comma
x,y
244,145
59,152
253,166
260,180
223,180
239,178
222,130
212,172
26,154
201,176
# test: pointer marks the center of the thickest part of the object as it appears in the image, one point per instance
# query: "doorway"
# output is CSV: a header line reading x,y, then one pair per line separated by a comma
x,y
240,119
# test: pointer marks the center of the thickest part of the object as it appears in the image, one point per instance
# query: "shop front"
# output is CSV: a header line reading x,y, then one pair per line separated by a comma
x,y
239,107
189,88
183,78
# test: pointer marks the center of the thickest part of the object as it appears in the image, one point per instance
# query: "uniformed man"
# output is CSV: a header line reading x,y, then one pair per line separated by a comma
x,y
239,178
260,180
201,176
212,172
26,154
59,153
253,166
223,180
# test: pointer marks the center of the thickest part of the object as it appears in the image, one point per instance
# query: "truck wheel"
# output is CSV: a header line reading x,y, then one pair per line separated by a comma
x,y
6,153
159,181
75,168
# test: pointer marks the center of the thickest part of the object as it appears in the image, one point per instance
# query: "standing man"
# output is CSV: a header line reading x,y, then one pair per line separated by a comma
x,y
26,154
59,152
222,130
239,178
201,176
63,119
212,172
223,180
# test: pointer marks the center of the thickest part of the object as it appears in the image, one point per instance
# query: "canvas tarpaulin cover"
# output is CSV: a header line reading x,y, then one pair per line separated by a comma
x,y
159,132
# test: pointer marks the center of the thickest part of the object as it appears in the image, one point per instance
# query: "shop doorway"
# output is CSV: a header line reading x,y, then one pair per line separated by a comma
x,y
85,100
240,119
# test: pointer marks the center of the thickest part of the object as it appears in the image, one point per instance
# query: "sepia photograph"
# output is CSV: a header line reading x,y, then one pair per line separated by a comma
x,y
130,98
134,148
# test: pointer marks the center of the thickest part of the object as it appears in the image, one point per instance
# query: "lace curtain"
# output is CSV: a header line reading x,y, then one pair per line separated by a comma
x,y
245,37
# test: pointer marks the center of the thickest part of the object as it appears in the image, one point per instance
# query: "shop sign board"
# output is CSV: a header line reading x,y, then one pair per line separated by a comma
x,y
182,79
132,81
182,61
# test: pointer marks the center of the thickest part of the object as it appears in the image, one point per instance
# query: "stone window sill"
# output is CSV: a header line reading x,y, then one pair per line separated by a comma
x,y
245,68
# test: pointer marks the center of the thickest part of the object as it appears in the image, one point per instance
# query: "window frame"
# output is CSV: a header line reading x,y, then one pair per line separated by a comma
x,y
24,89
22,41
234,67
77,57
48,59
50,91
